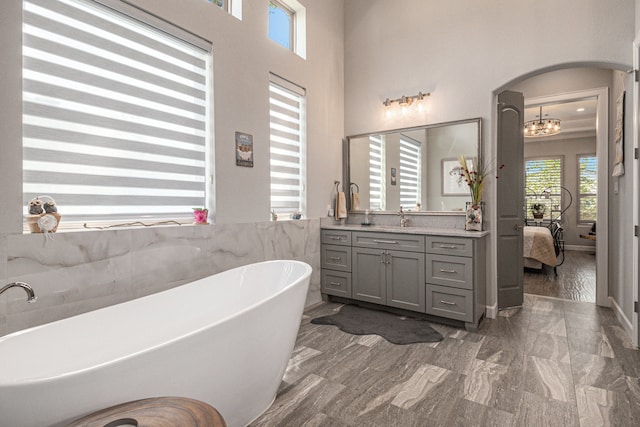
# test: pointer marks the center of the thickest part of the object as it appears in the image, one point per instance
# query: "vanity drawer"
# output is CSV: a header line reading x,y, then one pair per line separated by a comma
x,y
449,246
335,257
336,283
335,237
448,270
450,303
399,241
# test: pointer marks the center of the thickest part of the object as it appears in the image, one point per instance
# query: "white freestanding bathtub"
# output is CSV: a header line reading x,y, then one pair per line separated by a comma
x,y
225,339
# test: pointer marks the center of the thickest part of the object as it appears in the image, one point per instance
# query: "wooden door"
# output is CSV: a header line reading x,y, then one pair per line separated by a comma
x,y
510,189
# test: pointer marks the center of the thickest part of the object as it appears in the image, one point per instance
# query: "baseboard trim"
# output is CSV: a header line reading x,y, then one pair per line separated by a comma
x,y
626,324
578,248
492,311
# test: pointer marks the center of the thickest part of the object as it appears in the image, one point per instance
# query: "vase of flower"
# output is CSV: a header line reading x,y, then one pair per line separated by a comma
x,y
473,217
475,179
538,210
200,215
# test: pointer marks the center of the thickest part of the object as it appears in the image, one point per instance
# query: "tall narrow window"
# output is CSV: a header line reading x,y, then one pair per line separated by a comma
x,y
588,188
377,187
281,24
287,151
115,112
410,155
543,181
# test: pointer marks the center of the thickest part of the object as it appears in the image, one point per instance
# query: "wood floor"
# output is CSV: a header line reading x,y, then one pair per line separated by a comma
x,y
576,279
549,363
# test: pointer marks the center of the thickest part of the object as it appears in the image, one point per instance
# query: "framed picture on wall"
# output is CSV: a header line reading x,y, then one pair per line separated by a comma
x,y
452,182
244,149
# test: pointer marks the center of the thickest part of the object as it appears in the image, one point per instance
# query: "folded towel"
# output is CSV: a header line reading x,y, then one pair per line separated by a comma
x,y
341,205
355,201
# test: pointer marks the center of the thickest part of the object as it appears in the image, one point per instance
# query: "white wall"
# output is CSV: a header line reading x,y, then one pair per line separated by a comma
x,y
464,52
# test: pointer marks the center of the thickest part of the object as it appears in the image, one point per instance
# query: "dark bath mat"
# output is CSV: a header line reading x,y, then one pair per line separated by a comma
x,y
356,320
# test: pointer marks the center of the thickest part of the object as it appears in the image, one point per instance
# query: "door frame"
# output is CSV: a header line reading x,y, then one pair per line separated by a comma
x,y
635,323
602,152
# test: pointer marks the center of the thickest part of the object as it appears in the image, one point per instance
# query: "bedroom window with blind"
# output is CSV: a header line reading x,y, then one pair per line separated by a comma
x,y
543,178
287,150
588,188
410,157
377,187
115,112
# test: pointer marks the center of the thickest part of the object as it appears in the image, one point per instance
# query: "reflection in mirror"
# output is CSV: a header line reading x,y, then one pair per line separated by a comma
x,y
416,168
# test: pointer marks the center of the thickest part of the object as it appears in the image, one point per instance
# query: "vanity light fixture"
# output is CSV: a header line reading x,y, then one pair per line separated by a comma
x,y
405,102
541,127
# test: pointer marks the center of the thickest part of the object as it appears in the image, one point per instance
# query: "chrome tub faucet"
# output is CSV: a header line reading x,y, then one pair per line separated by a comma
x,y
31,296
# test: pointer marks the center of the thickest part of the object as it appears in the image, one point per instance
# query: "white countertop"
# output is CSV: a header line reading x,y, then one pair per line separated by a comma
x,y
429,231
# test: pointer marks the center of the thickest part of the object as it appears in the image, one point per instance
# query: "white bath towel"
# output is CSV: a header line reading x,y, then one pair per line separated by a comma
x,y
355,201
341,205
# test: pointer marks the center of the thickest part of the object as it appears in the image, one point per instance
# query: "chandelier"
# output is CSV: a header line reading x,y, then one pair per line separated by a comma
x,y
541,127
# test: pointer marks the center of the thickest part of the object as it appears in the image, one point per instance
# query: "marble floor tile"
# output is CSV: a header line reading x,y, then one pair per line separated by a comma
x,y
594,342
599,407
598,371
549,378
547,346
529,368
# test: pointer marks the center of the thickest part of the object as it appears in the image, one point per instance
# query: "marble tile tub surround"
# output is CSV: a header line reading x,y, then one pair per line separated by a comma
x,y
76,272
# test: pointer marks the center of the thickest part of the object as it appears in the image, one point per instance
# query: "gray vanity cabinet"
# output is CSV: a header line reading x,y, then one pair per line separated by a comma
x,y
455,278
441,276
335,260
384,275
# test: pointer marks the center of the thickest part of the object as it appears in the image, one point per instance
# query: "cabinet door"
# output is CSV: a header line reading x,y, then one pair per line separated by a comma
x,y
405,280
368,275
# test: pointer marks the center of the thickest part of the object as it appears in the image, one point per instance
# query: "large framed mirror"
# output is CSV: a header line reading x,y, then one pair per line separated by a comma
x,y
416,168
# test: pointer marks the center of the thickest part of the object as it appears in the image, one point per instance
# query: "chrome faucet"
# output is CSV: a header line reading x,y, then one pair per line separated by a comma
x,y
404,222
28,289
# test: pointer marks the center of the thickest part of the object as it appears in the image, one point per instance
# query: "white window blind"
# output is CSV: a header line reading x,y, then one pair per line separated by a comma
x,y
410,189
588,188
287,123
377,186
115,115
543,180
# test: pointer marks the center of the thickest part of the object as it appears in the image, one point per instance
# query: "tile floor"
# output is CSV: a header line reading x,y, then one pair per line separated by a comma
x,y
549,363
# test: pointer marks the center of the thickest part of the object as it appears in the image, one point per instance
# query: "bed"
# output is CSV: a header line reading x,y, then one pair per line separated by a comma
x,y
539,248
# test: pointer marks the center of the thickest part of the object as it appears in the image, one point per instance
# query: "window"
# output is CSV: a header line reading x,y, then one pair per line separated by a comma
x,y
287,151
587,188
377,187
410,157
281,19
288,25
115,112
542,184
234,7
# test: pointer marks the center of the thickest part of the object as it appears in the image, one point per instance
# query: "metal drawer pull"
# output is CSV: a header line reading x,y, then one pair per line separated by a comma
x,y
442,270
447,302
448,246
391,242
335,237
335,258
335,283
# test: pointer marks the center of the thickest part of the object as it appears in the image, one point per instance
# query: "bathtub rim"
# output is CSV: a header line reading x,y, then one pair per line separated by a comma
x,y
305,274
